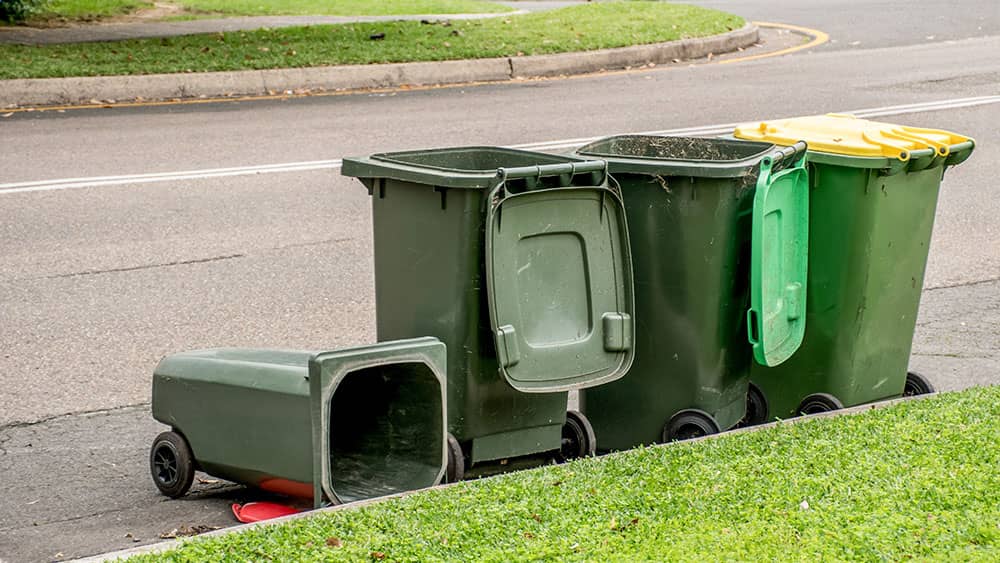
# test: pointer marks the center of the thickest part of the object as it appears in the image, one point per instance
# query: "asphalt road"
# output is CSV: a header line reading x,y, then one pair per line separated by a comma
x,y
98,283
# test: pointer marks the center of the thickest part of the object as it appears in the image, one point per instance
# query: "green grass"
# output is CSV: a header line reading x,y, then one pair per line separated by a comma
x,y
87,9
578,28
339,7
917,480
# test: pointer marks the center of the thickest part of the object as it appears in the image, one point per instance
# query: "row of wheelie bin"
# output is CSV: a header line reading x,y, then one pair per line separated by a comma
x,y
679,286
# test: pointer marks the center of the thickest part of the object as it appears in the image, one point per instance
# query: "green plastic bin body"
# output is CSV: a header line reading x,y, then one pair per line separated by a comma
x,y
690,208
235,407
869,233
373,425
432,223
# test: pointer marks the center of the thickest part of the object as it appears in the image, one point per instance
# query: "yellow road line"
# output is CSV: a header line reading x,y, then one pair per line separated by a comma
x,y
818,38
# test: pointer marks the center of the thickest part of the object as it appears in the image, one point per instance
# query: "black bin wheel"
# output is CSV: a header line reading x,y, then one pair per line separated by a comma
x,y
917,384
757,409
171,464
455,471
819,402
688,424
578,439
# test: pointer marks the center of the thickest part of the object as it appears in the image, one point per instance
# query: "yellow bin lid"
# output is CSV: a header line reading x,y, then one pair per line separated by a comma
x,y
848,135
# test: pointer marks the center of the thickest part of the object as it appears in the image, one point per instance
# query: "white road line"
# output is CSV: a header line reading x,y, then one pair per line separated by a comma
x,y
720,129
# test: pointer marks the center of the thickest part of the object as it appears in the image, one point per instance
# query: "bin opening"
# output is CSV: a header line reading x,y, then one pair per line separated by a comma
x,y
486,160
471,159
675,148
386,431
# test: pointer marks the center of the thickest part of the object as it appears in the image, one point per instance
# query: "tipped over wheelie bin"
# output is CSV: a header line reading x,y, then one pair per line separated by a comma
x,y
874,191
519,262
334,426
717,227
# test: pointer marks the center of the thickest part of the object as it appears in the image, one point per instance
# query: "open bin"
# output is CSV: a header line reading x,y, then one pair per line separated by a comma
x,y
717,228
874,191
335,426
519,262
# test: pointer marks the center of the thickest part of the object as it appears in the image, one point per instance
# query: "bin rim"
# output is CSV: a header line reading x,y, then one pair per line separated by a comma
x,y
918,159
388,165
701,168
921,159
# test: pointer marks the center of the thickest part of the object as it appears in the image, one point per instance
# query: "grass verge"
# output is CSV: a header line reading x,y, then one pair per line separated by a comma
x,y
916,480
339,7
577,28
86,10
89,10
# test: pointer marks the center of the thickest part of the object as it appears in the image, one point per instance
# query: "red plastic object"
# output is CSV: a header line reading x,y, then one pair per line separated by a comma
x,y
288,487
257,511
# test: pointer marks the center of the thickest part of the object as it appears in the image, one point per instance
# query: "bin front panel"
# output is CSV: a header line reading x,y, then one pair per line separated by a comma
x,y
869,238
560,288
690,240
779,263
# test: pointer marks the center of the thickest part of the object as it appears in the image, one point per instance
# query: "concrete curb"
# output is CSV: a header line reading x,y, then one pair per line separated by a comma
x,y
105,89
175,543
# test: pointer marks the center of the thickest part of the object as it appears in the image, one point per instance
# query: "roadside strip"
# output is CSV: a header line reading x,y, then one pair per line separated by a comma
x,y
176,543
285,81
46,93
707,130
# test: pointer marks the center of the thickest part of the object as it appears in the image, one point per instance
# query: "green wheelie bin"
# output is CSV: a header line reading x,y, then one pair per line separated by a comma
x,y
335,427
519,262
717,227
873,194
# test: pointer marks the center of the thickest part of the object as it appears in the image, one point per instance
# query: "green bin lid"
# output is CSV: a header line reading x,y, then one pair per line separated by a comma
x,y
559,281
779,262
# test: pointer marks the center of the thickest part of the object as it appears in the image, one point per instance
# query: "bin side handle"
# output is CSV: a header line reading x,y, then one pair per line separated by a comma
x,y
752,335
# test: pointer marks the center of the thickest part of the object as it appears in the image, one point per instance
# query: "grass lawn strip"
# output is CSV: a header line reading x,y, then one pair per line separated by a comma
x,y
84,10
577,28
339,7
87,9
916,480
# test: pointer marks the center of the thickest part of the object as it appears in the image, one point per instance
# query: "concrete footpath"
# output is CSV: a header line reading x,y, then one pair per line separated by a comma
x,y
144,28
155,29
112,89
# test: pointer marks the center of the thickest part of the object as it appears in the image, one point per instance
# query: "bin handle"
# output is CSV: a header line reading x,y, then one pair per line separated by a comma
x,y
499,189
791,153
541,170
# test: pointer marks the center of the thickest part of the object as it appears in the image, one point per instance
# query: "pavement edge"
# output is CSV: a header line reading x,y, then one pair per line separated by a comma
x,y
88,89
